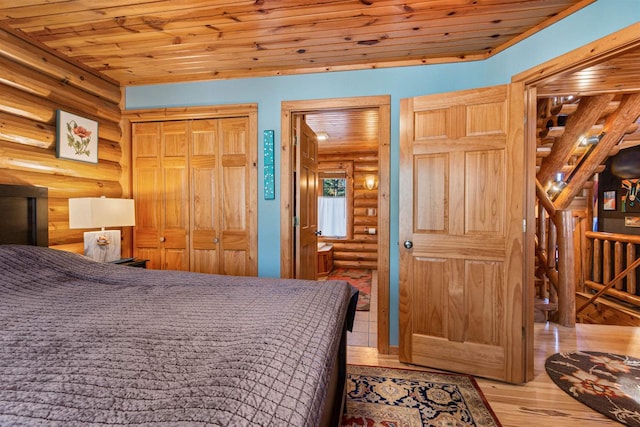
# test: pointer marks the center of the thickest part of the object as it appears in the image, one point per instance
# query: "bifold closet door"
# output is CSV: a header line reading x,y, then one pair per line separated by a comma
x,y
195,186
221,196
161,192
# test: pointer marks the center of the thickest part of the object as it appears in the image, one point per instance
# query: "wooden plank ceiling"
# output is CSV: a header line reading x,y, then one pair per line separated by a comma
x,y
137,42
355,130
598,101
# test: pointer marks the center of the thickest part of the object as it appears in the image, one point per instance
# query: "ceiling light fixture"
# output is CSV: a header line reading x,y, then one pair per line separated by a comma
x,y
322,136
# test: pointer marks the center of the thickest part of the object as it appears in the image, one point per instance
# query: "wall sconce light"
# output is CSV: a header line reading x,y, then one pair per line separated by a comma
x,y
370,182
591,140
94,212
556,186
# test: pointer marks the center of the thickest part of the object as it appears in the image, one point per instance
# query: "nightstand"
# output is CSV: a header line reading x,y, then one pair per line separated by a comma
x,y
325,260
132,262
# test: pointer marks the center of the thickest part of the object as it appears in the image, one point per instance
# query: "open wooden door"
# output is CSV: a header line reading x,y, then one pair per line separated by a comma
x,y
462,211
306,201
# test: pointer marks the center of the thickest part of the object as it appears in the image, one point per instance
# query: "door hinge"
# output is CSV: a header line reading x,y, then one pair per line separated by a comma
x,y
295,139
524,225
296,221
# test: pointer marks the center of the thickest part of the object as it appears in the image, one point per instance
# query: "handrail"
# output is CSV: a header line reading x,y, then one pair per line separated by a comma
x,y
544,200
613,281
603,244
624,238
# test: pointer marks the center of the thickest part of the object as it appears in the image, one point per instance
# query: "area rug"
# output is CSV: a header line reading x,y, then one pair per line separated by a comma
x,y
361,279
608,383
388,397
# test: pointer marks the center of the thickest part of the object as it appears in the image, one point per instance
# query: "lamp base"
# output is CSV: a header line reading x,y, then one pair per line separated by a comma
x,y
103,246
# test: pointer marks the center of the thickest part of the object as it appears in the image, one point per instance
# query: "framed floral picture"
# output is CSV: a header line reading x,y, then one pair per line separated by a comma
x,y
76,138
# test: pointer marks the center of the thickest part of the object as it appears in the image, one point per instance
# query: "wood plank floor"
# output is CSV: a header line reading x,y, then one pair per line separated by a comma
x,y
539,402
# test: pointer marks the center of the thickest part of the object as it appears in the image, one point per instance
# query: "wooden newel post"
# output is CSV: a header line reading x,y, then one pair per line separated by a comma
x,y
566,269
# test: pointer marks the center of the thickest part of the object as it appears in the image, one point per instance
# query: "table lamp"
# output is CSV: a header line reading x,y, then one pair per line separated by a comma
x,y
94,212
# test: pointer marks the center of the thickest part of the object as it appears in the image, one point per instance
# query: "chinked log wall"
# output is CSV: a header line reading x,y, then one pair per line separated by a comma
x,y
362,250
34,84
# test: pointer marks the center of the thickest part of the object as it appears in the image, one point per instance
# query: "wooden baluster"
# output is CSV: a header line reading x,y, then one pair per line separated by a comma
x,y
587,250
551,246
551,257
542,228
578,251
606,261
617,263
545,291
597,260
631,276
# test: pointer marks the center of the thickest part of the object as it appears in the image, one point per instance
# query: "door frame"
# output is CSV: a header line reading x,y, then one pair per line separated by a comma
x,y
383,104
610,46
614,44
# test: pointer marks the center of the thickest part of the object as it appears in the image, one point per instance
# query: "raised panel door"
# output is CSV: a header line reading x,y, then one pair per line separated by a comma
x,y
307,202
237,174
175,192
147,184
205,211
461,214
161,193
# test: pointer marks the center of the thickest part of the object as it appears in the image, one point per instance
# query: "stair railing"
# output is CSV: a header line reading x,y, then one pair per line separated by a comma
x,y
614,265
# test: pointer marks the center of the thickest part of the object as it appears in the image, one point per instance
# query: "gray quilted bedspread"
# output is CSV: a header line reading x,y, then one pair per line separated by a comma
x,y
84,343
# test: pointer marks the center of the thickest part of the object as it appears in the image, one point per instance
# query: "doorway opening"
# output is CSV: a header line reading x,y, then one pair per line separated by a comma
x,y
352,131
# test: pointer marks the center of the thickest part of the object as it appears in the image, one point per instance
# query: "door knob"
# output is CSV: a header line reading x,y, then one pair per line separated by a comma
x,y
216,240
162,239
408,244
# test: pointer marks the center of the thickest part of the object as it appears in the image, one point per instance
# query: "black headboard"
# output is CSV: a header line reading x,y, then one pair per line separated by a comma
x,y
24,215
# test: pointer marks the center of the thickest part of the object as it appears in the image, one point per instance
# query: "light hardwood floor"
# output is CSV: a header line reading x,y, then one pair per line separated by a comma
x,y
539,402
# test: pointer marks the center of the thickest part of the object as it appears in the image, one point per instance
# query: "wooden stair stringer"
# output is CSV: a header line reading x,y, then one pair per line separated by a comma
x,y
605,311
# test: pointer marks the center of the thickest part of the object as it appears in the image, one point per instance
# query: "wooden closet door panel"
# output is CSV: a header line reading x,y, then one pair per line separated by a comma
x,y
147,192
174,139
175,191
204,209
235,204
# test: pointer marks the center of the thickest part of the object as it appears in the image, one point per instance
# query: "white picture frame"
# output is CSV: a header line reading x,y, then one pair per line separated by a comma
x,y
76,137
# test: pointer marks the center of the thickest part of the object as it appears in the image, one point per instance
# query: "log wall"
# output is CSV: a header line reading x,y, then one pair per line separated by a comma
x,y
34,84
362,250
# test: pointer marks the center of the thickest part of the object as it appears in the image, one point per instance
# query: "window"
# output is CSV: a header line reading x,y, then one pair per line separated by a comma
x,y
335,199
334,187
332,207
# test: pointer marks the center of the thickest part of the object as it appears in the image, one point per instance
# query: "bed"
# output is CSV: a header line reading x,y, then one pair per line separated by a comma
x,y
87,343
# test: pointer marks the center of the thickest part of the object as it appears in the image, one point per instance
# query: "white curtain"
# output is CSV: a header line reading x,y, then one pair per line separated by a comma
x,y
332,216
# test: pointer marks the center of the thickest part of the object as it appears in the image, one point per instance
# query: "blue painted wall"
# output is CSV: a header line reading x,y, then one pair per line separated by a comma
x,y
589,24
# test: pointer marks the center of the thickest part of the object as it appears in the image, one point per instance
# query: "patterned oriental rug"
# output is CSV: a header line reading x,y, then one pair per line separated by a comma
x,y
608,383
389,397
361,279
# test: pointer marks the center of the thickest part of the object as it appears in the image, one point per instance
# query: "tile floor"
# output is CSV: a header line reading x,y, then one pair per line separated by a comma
x,y
365,327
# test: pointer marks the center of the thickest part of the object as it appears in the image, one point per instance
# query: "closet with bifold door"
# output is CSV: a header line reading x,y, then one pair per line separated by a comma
x,y
194,184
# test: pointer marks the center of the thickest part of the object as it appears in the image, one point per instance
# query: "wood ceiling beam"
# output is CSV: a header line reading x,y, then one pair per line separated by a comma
x,y
578,124
615,126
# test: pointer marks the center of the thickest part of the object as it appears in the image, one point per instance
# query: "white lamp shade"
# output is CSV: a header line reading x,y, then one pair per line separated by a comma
x,y
94,212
